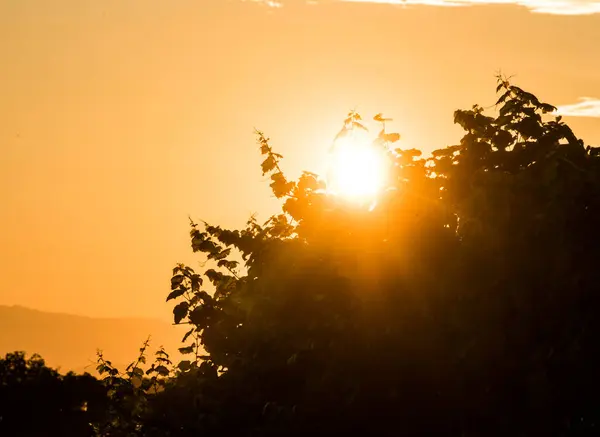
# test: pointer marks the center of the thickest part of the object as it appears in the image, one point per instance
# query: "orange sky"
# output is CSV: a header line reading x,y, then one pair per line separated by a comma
x,y
121,117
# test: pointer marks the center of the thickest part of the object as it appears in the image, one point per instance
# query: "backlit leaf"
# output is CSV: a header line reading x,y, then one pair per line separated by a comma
x,y
180,311
176,281
176,293
186,350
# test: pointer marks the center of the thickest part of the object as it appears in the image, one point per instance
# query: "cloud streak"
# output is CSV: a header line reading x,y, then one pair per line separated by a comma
x,y
269,3
555,7
586,107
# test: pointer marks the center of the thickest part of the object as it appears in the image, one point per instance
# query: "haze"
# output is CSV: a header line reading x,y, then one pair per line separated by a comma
x,y
120,117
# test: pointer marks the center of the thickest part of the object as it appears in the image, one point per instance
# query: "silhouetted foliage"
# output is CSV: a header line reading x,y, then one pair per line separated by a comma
x,y
36,400
464,303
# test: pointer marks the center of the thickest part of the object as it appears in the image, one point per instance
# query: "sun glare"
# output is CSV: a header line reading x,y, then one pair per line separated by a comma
x,y
356,167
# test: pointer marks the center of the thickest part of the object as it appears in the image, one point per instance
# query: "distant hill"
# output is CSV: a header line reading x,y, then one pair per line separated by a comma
x,y
70,342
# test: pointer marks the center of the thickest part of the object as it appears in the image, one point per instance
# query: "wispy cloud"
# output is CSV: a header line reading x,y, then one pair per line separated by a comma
x,y
269,3
586,107
556,7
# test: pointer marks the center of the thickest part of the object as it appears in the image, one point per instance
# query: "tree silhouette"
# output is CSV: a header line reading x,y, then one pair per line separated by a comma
x,y
36,400
463,303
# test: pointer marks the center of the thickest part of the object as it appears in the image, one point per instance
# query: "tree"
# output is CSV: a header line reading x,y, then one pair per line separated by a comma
x,y
37,401
464,302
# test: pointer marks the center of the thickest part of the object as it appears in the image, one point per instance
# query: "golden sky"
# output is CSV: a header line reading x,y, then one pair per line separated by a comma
x,y
121,117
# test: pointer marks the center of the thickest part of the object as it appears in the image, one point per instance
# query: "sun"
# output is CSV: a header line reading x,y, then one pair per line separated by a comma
x,y
356,167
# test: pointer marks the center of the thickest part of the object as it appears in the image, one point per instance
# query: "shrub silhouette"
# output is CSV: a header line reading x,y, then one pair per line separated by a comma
x,y
36,400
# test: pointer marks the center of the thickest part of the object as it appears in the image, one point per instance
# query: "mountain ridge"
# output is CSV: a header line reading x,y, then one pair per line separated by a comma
x,y
70,341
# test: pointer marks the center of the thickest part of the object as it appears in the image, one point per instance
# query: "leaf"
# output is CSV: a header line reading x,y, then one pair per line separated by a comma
x,y
279,185
413,153
379,118
547,108
221,255
180,311
187,334
392,138
176,281
530,98
213,275
184,365
176,293
196,282
162,352
268,164
230,265
516,89
197,241
308,182
503,97
448,151
509,107
162,370
186,350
